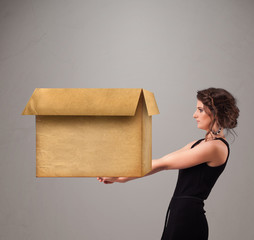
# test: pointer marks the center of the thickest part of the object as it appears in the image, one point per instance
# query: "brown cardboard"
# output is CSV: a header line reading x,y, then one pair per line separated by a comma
x,y
92,132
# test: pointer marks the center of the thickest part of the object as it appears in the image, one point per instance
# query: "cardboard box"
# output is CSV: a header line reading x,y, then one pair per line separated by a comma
x,y
89,132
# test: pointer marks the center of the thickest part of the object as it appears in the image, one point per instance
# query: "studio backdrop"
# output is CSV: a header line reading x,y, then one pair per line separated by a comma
x,y
171,48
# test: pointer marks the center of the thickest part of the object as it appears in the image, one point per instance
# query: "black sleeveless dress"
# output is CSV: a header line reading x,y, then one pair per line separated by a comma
x,y
185,218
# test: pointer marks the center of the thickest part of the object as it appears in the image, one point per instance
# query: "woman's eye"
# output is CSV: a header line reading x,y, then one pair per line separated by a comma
x,y
200,110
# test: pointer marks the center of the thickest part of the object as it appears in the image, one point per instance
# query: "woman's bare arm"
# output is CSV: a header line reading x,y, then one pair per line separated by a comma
x,y
211,152
156,167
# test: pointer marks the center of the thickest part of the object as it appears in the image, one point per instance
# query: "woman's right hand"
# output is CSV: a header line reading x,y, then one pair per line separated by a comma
x,y
107,180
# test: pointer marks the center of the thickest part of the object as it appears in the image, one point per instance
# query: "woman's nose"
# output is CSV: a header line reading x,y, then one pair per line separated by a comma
x,y
194,115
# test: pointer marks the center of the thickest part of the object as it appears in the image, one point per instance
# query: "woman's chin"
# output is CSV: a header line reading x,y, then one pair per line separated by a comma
x,y
200,127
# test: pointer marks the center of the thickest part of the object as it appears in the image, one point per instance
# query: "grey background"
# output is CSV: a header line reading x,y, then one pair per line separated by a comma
x,y
172,48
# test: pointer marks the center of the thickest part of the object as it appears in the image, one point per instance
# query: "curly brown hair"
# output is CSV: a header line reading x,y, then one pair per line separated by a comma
x,y
222,106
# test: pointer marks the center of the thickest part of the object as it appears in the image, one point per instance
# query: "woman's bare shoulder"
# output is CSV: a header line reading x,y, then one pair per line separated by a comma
x,y
217,149
222,153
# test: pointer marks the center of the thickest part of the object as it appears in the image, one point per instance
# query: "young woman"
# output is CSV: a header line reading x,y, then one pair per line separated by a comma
x,y
200,163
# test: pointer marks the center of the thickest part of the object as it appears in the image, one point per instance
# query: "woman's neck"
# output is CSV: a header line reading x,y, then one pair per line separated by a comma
x,y
212,136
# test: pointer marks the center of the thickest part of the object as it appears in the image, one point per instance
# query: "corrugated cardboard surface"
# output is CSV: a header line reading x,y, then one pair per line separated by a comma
x,y
88,101
146,140
108,143
88,146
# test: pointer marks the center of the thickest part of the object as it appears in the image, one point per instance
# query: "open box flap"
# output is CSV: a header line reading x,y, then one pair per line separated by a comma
x,y
151,104
88,101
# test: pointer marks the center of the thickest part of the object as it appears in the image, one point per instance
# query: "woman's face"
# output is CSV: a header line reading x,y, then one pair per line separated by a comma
x,y
202,118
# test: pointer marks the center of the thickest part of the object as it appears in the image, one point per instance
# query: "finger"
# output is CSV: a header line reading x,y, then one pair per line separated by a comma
x,y
99,179
108,182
